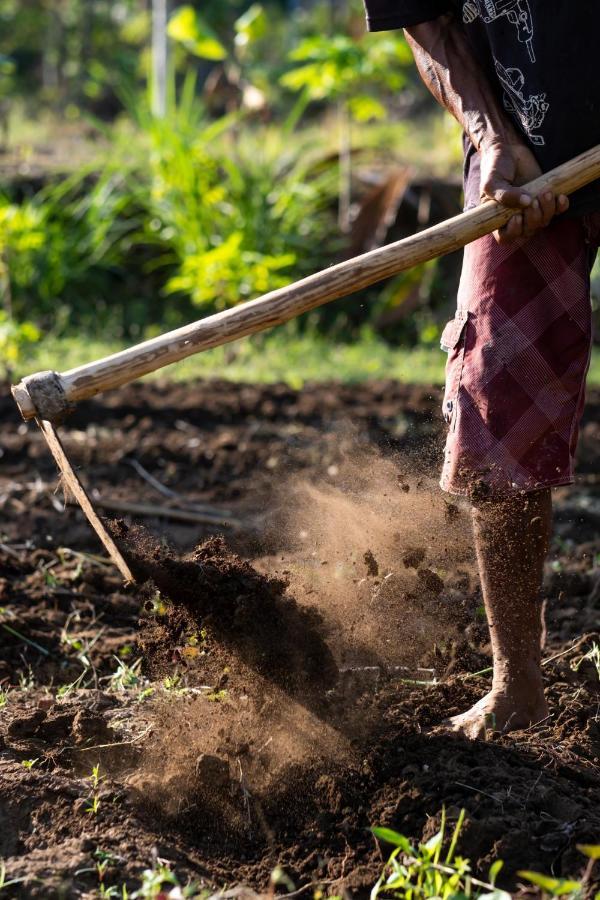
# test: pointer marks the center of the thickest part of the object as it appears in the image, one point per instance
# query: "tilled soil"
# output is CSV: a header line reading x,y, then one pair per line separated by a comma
x,y
268,695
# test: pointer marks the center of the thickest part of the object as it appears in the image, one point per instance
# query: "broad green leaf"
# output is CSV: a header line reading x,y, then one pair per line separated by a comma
x,y
495,869
392,837
364,108
557,887
186,26
434,842
590,850
182,24
251,25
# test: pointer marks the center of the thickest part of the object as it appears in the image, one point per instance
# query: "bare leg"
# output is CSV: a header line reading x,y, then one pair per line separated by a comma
x,y
511,539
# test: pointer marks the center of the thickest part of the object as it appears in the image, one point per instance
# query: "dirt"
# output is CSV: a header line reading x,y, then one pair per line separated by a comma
x,y
242,615
292,669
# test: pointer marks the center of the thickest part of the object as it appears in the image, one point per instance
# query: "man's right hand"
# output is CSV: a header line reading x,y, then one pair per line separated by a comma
x,y
504,167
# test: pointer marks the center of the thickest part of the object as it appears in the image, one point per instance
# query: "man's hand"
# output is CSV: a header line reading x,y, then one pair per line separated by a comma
x,y
503,168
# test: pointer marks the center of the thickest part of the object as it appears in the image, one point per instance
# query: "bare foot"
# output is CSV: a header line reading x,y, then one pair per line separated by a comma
x,y
501,710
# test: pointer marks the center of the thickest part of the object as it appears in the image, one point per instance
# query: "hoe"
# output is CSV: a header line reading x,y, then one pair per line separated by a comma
x,y
48,397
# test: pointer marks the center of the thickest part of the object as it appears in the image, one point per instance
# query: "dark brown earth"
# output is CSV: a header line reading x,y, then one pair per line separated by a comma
x,y
233,746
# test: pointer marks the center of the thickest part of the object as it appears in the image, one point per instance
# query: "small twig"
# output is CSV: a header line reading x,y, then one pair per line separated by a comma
x,y
134,740
532,789
27,640
563,653
147,476
306,887
9,550
477,790
535,724
545,662
165,512
266,744
487,671
174,495
246,794
86,557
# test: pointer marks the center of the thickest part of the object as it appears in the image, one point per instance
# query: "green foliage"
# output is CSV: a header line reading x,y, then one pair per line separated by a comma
x,y
231,215
554,887
94,780
186,26
211,219
72,52
286,355
592,655
127,677
14,337
7,882
425,871
156,881
339,67
188,212
64,247
567,887
251,26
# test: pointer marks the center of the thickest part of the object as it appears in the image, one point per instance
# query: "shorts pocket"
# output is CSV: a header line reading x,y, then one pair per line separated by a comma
x,y
453,342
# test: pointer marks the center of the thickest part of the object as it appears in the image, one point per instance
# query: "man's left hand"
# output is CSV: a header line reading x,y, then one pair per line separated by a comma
x,y
504,167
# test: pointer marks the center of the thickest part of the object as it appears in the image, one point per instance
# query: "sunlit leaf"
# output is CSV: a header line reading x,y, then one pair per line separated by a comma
x,y
364,108
392,837
187,27
557,887
251,25
590,850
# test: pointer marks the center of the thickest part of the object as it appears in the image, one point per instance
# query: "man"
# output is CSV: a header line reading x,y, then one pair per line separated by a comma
x,y
520,78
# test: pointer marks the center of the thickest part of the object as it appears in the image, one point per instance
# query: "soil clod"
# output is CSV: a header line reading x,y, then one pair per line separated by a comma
x,y
371,564
212,595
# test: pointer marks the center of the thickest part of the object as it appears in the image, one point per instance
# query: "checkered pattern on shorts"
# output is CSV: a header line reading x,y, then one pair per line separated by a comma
x,y
518,355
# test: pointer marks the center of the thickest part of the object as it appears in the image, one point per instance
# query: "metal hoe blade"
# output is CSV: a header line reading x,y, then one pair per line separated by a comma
x,y
75,486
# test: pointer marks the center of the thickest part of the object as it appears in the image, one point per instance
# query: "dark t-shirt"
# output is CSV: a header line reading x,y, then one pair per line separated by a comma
x,y
539,56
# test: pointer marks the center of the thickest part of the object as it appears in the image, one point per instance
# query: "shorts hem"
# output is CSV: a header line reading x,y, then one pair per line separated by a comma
x,y
508,492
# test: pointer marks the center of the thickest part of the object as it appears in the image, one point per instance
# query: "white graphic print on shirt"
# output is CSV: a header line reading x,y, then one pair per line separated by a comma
x,y
518,13
530,111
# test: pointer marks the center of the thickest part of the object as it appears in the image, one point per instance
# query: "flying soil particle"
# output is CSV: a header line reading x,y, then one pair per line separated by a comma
x,y
371,564
431,581
412,559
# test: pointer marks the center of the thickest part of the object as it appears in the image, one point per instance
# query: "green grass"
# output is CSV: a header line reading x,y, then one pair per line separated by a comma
x,y
276,357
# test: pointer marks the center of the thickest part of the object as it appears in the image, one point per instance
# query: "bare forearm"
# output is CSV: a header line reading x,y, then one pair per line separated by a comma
x,y
448,68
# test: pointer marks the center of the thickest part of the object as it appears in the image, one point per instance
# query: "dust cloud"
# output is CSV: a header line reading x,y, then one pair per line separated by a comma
x,y
374,547
373,550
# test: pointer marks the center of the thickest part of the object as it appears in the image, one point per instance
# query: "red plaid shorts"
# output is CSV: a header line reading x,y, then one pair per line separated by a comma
x,y
518,354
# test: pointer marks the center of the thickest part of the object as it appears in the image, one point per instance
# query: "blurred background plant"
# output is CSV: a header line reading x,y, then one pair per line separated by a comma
x,y
289,140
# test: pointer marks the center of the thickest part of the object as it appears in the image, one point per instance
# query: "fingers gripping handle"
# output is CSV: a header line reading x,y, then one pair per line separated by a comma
x,y
49,395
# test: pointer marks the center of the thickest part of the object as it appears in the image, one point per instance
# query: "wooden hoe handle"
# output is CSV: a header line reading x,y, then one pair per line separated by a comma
x,y
50,395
